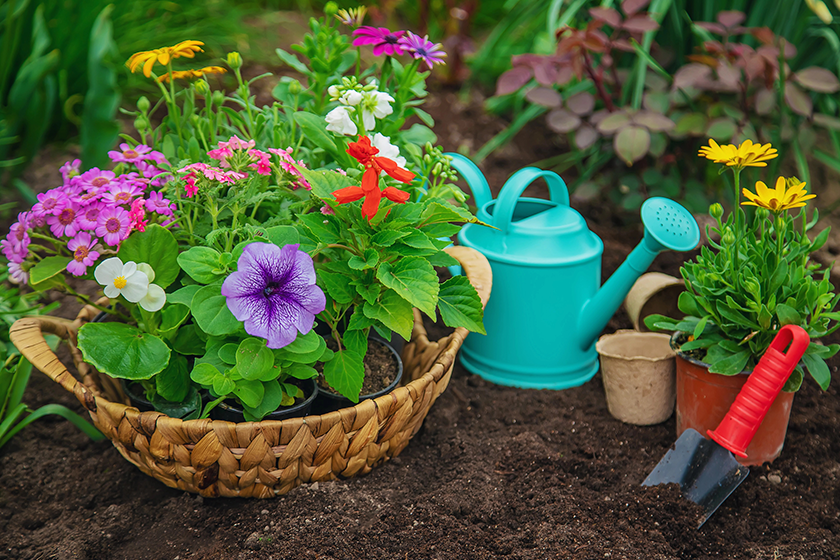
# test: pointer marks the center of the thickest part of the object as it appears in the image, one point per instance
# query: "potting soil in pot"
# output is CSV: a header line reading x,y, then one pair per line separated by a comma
x,y
380,368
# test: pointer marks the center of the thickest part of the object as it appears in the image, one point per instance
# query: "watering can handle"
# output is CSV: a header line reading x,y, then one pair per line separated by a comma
x,y
474,178
516,185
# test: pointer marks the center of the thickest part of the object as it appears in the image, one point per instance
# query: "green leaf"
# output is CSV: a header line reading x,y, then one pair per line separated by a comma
x,y
187,342
301,371
173,383
199,263
369,291
305,343
336,286
442,258
324,183
183,295
222,385
250,392
47,268
253,358
271,401
204,373
392,311
314,128
293,61
794,382
158,248
188,406
419,240
701,326
460,305
631,143
387,237
731,365
345,373
123,351
356,341
788,315
366,261
322,228
818,370
210,311
688,304
172,317
227,353
415,280
283,235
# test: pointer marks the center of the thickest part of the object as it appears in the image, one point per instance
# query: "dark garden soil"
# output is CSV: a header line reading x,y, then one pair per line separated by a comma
x,y
495,472
381,367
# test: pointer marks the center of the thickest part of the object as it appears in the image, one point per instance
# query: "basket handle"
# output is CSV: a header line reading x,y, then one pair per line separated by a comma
x,y
476,269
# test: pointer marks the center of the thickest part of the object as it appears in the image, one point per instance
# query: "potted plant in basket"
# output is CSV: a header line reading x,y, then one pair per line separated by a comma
x,y
755,277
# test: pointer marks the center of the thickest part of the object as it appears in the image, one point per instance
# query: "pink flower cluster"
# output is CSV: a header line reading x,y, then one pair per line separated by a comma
x,y
292,167
97,204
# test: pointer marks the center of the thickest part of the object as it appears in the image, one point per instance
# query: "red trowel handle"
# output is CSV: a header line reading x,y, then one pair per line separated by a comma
x,y
738,427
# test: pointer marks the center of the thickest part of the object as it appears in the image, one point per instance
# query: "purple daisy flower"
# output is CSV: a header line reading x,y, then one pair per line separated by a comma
x,y
123,193
156,203
383,40
50,202
16,274
95,179
13,249
113,225
70,169
423,49
129,154
274,292
65,222
88,216
83,254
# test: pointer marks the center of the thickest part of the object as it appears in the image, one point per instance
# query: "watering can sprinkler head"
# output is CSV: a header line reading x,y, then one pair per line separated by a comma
x,y
668,226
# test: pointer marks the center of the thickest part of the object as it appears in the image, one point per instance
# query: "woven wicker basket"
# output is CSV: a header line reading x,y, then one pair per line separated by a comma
x,y
259,459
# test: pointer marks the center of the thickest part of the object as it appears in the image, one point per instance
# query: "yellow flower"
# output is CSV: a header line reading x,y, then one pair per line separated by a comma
x,y
779,198
352,17
192,74
163,55
745,155
822,11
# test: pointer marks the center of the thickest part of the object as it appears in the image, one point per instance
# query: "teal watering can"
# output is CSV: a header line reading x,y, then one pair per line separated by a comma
x,y
548,305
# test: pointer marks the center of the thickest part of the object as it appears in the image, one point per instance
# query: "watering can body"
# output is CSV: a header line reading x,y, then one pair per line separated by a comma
x,y
548,305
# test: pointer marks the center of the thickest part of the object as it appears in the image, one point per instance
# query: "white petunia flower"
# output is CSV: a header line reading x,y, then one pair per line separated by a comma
x,y
122,279
388,150
375,104
339,121
156,297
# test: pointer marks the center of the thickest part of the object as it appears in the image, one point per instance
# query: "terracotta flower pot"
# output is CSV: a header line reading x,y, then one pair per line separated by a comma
x,y
704,398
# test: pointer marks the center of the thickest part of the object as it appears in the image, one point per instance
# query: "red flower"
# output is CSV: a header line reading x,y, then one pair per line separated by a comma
x,y
365,153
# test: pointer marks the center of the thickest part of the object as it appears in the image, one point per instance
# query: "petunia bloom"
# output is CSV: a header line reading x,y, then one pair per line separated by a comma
x,y
366,154
122,279
423,49
273,291
383,40
83,254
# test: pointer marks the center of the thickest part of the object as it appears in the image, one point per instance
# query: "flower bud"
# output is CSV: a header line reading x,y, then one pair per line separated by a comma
x,y
143,104
762,213
716,211
194,120
218,98
752,287
295,87
140,124
234,60
146,269
332,90
202,87
728,237
331,9
437,168
427,159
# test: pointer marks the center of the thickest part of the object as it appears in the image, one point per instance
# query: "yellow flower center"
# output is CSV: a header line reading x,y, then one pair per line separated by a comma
x,y
120,282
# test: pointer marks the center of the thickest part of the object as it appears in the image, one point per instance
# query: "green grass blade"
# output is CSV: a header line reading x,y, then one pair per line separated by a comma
x,y
9,421
86,427
19,381
505,136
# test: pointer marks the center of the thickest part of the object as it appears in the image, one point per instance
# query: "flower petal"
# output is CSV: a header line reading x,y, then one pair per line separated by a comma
x,y
107,271
136,287
129,268
112,291
154,298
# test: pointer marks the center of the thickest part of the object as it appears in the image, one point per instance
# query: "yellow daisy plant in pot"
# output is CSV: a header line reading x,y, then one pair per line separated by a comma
x,y
754,276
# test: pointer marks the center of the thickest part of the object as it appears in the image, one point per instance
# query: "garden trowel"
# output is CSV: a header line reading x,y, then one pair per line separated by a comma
x,y
707,470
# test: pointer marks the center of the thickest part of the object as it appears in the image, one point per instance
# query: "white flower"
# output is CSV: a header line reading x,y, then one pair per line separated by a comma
x,y
122,279
375,104
156,297
339,121
388,150
333,91
351,97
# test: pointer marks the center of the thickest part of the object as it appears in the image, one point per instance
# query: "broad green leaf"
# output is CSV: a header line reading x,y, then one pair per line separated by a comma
x,y
314,128
172,317
272,397
293,61
788,315
173,383
688,304
304,343
731,365
356,341
47,268
818,370
336,286
227,353
387,237
415,280
369,291
322,228
442,258
210,311
324,183
794,382
366,261
189,406
419,240
345,373
204,373
460,305
199,263
302,371
222,385
283,235
701,326
123,351
253,358
439,211
631,143
158,248
183,295
394,312
187,341
250,392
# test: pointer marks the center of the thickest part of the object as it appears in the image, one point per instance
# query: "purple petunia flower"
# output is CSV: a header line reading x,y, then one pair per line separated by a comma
x,y
113,225
274,292
129,154
83,254
423,49
383,40
50,202
156,203
65,222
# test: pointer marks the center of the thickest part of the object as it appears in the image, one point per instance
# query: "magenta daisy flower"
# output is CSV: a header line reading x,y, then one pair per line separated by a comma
x,y
113,225
273,291
83,254
15,249
383,40
17,275
65,222
70,169
96,179
50,202
122,194
88,217
423,49
129,154
156,203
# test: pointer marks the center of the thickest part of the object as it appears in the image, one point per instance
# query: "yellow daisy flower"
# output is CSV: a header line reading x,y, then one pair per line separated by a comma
x,y
192,74
352,17
163,55
780,198
747,154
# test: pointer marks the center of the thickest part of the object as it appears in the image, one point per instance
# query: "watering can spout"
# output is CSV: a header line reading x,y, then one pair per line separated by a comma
x,y
668,226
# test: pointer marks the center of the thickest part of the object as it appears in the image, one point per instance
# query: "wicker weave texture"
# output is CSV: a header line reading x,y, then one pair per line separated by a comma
x,y
259,459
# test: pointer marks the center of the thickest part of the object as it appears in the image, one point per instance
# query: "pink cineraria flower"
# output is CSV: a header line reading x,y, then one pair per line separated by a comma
x,y
262,163
221,154
113,225
423,49
157,157
236,143
86,197
70,169
88,216
156,203
50,202
138,215
83,254
156,177
129,154
123,193
190,186
15,249
383,40
95,179
65,222
16,274
327,210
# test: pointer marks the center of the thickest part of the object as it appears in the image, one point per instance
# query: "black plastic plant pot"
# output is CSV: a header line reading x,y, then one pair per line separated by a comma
x,y
329,402
134,392
229,411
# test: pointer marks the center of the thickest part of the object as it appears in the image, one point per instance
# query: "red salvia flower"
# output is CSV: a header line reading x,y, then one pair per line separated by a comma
x,y
365,153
